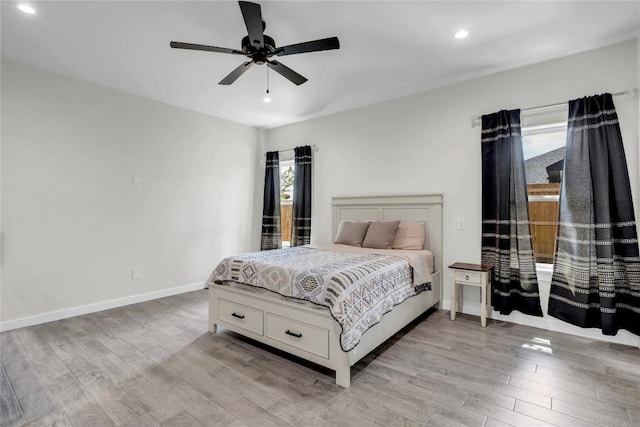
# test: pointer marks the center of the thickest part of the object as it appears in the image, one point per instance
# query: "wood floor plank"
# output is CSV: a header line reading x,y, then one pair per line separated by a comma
x,y
492,422
253,415
411,409
294,415
548,415
54,419
437,419
194,402
43,357
504,415
444,400
553,392
145,420
80,408
182,419
30,389
487,387
613,398
155,364
584,389
372,412
591,415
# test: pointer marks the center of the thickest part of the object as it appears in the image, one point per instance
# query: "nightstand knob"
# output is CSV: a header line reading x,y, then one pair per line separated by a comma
x,y
466,277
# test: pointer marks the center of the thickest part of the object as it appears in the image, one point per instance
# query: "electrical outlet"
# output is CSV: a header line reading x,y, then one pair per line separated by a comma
x,y
135,273
137,181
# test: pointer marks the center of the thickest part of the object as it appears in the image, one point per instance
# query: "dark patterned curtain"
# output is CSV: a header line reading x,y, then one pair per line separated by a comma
x,y
596,275
506,235
301,221
271,231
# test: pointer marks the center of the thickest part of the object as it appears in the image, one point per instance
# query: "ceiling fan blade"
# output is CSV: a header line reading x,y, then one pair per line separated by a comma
x,y
252,14
312,46
286,72
233,76
191,46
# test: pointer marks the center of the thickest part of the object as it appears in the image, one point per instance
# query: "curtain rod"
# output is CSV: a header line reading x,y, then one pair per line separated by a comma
x,y
629,92
313,148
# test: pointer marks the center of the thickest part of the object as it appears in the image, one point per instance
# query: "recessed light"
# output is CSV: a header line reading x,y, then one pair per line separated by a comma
x,y
461,34
26,8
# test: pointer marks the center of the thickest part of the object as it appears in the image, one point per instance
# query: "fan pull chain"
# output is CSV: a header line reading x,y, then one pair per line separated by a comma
x,y
267,98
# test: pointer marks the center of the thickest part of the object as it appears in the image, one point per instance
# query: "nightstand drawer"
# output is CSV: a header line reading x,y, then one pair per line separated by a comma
x,y
297,334
468,277
240,315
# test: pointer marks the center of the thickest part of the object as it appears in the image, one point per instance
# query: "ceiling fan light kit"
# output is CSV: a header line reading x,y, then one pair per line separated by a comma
x,y
260,48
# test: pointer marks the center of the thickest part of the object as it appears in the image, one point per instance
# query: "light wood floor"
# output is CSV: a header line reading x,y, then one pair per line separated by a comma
x,y
154,363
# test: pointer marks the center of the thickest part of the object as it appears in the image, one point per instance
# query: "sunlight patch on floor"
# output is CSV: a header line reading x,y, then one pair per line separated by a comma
x,y
539,344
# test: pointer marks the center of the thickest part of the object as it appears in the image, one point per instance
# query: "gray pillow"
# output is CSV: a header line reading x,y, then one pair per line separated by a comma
x,y
351,233
380,234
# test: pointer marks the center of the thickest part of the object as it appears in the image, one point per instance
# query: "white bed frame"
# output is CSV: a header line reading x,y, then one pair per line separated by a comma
x,y
310,332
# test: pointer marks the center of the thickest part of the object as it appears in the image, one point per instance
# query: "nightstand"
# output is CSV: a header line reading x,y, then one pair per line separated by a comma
x,y
472,275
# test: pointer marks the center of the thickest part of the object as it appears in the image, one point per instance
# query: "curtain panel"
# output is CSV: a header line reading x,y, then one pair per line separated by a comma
x,y
596,276
271,237
506,235
301,217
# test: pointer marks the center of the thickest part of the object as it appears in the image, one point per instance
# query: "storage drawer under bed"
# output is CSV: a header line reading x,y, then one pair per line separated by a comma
x,y
240,315
297,334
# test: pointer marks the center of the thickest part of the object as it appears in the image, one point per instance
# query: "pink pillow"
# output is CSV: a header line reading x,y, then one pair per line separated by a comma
x,y
410,235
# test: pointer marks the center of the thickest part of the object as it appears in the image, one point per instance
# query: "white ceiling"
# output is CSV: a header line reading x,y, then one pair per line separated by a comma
x,y
389,49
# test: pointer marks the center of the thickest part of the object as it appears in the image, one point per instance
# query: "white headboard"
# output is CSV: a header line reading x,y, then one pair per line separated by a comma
x,y
425,208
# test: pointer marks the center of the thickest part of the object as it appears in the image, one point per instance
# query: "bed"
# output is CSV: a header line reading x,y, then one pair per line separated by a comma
x,y
314,332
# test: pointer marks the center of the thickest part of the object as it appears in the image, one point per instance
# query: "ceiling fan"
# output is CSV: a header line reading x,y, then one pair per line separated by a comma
x,y
260,47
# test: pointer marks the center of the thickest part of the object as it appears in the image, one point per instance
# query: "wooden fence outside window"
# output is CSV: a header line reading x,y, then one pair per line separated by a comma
x,y
286,214
543,215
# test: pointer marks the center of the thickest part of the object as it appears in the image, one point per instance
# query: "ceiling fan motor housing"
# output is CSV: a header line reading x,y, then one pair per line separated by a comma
x,y
259,56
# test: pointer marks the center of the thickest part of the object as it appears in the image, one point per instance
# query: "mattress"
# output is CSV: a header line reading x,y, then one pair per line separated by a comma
x,y
357,285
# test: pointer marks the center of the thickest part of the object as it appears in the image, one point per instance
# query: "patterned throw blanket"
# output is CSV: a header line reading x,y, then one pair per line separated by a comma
x,y
357,288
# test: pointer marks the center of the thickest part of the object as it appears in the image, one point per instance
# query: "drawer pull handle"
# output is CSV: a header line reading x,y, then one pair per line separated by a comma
x,y
239,316
466,277
293,334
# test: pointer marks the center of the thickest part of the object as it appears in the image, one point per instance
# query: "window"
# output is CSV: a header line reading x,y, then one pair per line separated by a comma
x,y
287,172
543,148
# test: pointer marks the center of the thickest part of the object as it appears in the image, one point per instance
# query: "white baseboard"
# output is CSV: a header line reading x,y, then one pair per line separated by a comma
x,y
551,324
99,306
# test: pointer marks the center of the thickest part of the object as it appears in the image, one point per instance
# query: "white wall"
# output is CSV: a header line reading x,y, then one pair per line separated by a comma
x,y
425,144
73,224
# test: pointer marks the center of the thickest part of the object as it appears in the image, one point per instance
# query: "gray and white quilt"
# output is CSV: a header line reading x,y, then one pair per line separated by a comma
x,y
357,288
